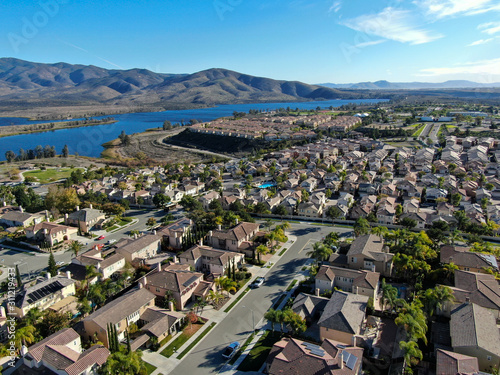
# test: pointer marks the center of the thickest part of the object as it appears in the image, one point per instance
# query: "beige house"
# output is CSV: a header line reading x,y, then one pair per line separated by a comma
x,y
121,312
353,281
369,253
86,218
62,354
106,266
309,209
174,233
343,317
50,233
466,260
21,218
232,239
143,247
206,259
44,294
184,285
474,333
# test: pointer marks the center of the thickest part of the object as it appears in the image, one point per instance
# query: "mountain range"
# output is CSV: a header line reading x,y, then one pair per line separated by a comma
x,y
386,85
24,83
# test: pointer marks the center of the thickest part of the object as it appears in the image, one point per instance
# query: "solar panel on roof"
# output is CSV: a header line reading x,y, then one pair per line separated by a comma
x,y
318,352
352,361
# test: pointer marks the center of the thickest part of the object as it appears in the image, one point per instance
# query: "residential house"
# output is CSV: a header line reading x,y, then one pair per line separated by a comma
x,y
106,266
369,253
309,184
44,294
233,238
174,233
293,356
343,317
479,288
467,260
120,312
143,247
183,284
420,218
353,281
86,219
309,209
49,233
206,259
21,218
474,333
159,323
309,307
208,198
62,353
451,363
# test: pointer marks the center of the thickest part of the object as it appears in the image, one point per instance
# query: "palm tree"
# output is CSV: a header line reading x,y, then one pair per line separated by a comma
x,y
286,225
320,252
268,223
412,355
226,284
448,270
389,295
214,297
454,236
24,336
33,316
437,298
414,321
261,250
75,247
271,317
379,231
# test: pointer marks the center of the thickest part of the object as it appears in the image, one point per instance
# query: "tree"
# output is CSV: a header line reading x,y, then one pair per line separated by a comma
x,y
10,156
65,151
52,265
18,277
294,320
161,200
63,199
124,363
76,247
280,210
52,322
167,125
151,222
361,227
272,317
456,198
436,298
409,223
320,252
412,354
24,336
389,295
261,250
333,212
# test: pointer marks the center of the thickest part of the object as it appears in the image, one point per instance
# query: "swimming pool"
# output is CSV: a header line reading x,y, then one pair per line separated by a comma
x,y
267,185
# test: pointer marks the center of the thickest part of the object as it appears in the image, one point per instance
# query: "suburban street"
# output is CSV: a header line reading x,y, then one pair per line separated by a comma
x,y
238,323
31,263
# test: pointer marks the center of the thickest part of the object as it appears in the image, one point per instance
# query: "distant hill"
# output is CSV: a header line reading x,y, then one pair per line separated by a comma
x,y
386,85
29,84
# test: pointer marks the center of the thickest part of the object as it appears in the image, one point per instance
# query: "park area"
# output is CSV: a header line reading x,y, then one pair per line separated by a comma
x,y
48,175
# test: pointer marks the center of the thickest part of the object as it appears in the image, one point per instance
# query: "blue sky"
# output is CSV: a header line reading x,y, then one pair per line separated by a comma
x,y
307,40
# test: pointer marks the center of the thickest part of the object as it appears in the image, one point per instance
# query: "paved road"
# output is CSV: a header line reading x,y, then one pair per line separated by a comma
x,y
32,263
434,133
238,324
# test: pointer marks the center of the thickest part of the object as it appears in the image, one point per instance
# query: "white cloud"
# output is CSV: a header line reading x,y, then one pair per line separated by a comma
x,y
368,44
335,7
391,24
490,27
480,41
483,67
449,8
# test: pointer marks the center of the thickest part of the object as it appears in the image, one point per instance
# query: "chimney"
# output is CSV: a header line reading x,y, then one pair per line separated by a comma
x,y
45,231
341,360
4,203
355,290
91,206
140,285
154,232
66,217
467,300
78,208
2,312
21,209
316,292
158,267
68,274
135,236
171,306
24,350
236,221
48,276
219,227
47,215
209,235
201,241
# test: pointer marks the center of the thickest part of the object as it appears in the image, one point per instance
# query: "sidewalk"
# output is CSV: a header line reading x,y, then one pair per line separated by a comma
x,y
166,365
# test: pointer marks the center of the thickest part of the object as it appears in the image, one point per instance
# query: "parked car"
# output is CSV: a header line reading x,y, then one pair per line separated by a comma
x,y
258,282
231,350
101,237
110,242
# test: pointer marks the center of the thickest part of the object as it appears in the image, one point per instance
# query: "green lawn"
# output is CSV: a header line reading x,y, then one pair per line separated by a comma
x,y
257,356
180,340
198,339
50,174
292,284
149,367
419,131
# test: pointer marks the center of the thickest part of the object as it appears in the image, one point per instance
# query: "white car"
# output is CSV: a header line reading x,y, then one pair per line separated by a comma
x,y
258,282
231,350
110,242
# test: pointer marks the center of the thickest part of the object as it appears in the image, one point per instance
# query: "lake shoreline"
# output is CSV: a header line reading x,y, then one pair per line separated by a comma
x,y
50,130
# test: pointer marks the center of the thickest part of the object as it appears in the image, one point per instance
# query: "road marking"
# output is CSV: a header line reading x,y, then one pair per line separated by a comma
x,y
307,243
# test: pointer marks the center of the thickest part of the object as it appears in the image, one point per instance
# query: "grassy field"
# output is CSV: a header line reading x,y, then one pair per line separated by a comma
x,y
419,131
181,339
255,359
50,174
149,367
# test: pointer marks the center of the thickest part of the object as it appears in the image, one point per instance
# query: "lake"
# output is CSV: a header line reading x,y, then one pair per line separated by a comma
x,y
87,141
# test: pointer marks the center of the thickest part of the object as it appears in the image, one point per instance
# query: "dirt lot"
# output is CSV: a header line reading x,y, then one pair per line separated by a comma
x,y
150,144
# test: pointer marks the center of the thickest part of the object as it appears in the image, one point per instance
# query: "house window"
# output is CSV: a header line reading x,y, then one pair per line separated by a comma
x,y
466,269
488,358
354,260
